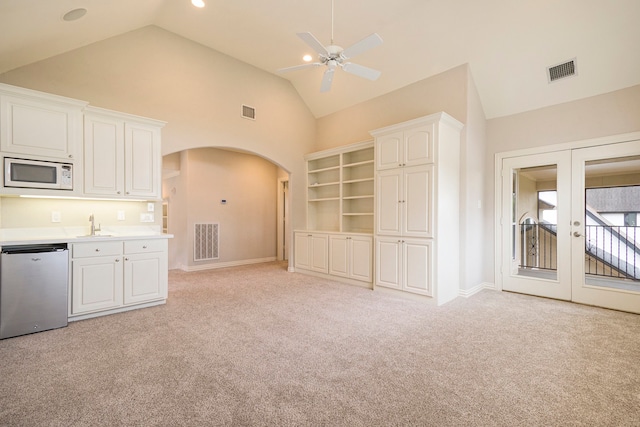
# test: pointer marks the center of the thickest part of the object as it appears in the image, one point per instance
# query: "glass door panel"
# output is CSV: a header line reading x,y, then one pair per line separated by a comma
x,y
606,248
537,188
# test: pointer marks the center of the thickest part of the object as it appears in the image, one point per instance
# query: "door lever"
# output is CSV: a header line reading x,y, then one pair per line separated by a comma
x,y
577,234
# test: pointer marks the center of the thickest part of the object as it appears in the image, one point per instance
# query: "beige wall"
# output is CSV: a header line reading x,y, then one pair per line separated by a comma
x,y
473,206
444,92
19,212
247,221
599,116
197,91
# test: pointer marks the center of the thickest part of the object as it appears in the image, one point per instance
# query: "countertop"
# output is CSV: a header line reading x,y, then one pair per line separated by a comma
x,y
39,235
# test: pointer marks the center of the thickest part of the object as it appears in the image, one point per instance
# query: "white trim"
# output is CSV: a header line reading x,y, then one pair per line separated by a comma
x,y
191,268
466,293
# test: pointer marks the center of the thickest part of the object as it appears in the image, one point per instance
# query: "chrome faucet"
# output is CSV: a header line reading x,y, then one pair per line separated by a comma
x,y
93,225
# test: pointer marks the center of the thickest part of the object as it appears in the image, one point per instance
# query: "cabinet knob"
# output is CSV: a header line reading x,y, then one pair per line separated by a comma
x,y
97,250
144,247
118,192
71,156
128,192
126,259
117,259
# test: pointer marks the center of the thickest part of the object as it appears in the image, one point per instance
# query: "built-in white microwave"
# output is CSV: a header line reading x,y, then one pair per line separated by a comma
x,y
23,173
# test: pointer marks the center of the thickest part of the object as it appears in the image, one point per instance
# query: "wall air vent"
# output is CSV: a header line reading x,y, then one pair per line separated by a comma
x,y
206,240
560,71
248,112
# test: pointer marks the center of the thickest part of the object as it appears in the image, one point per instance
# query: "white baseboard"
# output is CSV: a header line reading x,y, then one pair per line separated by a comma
x,y
466,293
191,268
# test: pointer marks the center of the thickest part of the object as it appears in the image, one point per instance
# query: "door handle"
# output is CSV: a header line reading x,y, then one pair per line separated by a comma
x,y
577,234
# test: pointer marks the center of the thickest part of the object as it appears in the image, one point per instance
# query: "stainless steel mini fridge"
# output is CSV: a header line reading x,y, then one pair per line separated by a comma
x,y
34,283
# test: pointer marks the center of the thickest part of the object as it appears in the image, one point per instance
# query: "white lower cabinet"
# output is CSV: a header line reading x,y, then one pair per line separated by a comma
x,y
350,256
311,251
111,275
145,271
405,264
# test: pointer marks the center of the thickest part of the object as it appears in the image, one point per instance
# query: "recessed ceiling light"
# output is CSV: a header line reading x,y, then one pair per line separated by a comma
x,y
74,14
197,3
307,58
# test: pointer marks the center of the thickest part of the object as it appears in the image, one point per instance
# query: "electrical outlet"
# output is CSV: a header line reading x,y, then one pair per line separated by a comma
x,y
147,217
120,215
55,216
151,207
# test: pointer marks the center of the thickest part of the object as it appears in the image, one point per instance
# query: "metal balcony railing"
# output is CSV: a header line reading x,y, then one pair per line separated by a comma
x,y
610,251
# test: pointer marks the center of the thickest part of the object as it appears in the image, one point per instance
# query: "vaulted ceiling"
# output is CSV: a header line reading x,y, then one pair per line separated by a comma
x,y
508,44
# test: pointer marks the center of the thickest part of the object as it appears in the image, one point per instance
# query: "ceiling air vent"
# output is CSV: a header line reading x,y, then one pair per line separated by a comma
x,y
248,112
560,71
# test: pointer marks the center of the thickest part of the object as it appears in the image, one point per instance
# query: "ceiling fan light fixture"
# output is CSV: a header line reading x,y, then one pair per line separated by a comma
x,y
307,58
198,3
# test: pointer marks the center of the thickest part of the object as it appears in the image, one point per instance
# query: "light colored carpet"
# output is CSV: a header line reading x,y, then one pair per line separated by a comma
x,y
257,346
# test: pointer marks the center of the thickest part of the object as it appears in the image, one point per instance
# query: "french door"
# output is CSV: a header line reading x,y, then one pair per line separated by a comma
x,y
569,225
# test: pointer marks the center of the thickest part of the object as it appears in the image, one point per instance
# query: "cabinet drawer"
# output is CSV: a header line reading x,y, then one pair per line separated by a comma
x,y
91,249
144,246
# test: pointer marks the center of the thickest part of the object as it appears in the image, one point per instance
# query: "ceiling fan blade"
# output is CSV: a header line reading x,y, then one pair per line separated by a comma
x,y
313,42
362,46
361,71
298,67
327,79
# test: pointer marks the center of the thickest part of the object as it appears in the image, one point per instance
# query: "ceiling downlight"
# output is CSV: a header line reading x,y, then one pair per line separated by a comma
x,y
561,71
75,14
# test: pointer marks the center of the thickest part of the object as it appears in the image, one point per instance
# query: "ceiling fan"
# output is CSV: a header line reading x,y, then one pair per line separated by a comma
x,y
333,56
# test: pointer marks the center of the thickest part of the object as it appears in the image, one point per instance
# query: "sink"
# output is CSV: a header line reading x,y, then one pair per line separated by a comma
x,y
96,235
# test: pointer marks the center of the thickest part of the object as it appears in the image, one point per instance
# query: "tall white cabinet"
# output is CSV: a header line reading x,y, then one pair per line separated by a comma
x,y
417,207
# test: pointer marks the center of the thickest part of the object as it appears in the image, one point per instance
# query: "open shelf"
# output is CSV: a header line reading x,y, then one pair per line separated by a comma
x,y
340,189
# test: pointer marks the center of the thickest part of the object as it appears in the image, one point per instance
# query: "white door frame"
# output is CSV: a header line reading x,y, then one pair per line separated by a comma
x,y
498,258
283,226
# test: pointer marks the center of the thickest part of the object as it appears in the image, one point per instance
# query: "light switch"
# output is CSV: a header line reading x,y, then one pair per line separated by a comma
x,y
151,207
121,216
55,216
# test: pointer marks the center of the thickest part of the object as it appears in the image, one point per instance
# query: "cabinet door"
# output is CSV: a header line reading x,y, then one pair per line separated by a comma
x,y
302,250
417,201
39,128
96,284
319,253
360,258
145,277
339,255
142,160
416,266
103,156
389,151
418,146
389,262
388,202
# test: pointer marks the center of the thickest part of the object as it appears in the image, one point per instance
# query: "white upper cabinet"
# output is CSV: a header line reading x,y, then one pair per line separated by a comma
x,y
401,148
405,201
40,125
121,155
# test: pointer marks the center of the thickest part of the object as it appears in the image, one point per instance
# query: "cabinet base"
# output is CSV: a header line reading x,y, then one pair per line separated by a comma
x,y
340,279
410,295
73,318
